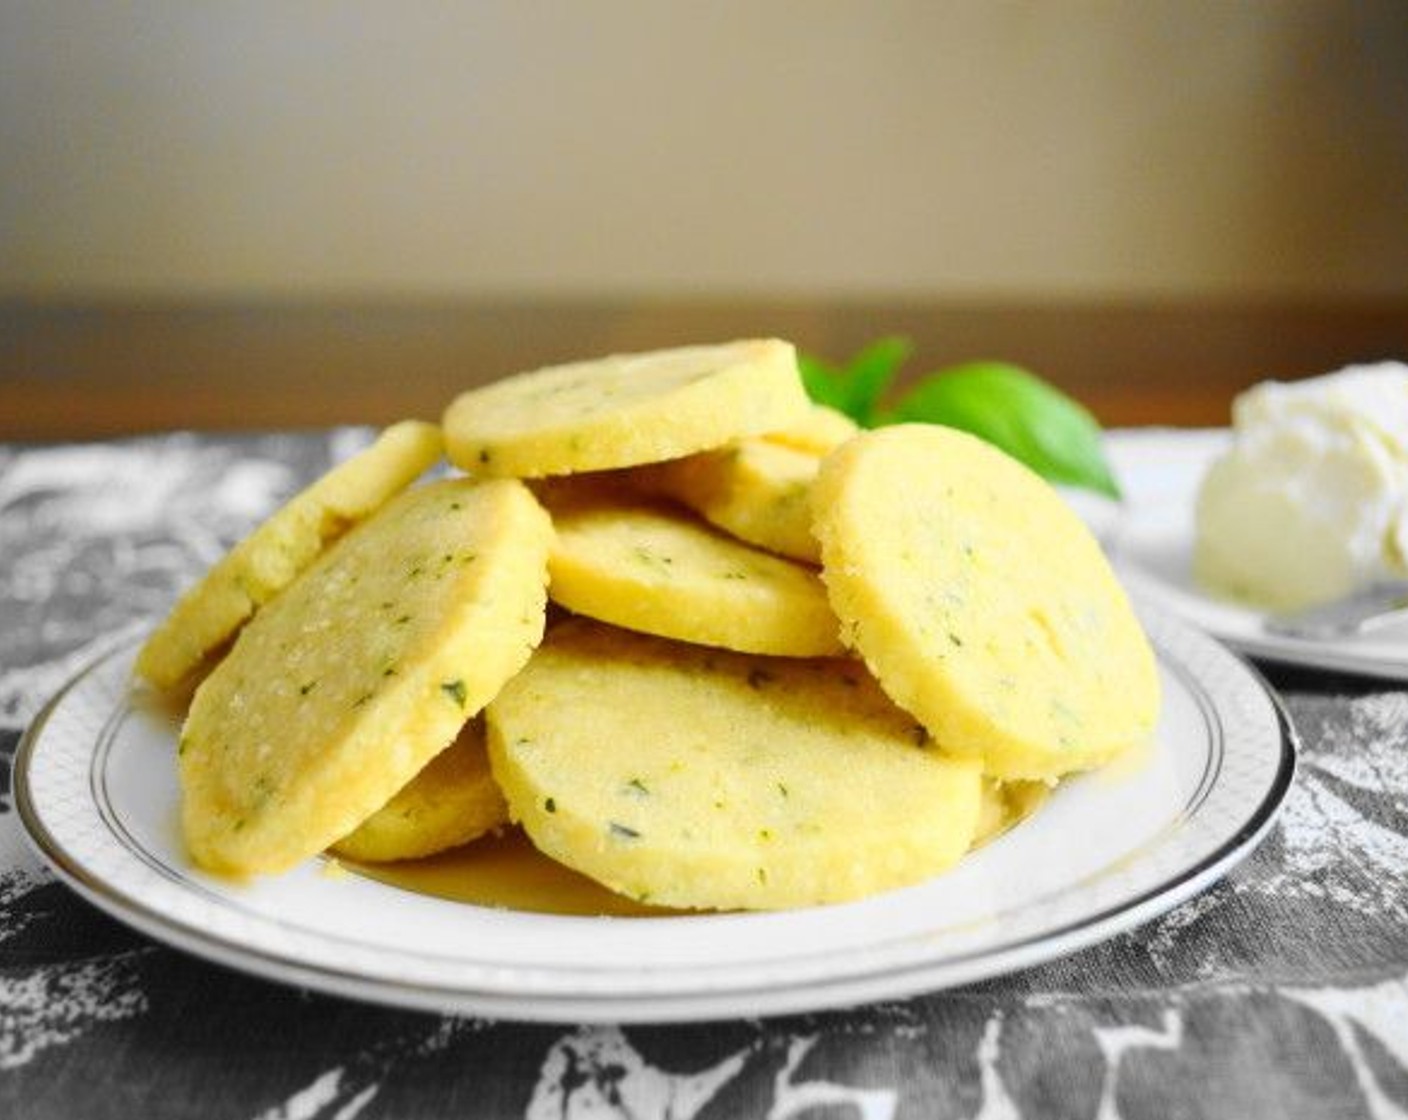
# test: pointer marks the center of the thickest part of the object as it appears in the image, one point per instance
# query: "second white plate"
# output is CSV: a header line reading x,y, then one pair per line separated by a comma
x,y
1152,543
95,784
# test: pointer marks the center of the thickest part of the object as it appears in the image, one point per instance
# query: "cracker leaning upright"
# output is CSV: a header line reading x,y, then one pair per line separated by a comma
x,y
624,410
272,556
353,678
982,603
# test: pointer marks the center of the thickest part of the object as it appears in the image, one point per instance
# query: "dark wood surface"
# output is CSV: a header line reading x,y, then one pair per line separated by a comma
x,y
96,370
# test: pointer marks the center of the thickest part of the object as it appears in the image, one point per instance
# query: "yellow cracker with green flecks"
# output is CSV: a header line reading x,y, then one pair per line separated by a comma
x,y
817,431
271,557
981,602
452,801
661,571
695,778
624,410
344,686
757,490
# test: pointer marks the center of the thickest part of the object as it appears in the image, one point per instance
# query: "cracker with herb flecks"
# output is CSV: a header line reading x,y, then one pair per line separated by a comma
x,y
755,489
351,680
982,603
818,430
695,778
452,801
624,410
272,556
659,570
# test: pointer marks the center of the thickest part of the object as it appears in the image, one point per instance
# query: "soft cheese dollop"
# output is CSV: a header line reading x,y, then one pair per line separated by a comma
x,y
1311,501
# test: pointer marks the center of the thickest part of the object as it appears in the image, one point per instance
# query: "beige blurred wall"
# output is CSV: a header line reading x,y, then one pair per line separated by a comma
x,y
1164,148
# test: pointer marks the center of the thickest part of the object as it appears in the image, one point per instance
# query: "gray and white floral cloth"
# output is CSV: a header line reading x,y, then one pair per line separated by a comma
x,y
1282,992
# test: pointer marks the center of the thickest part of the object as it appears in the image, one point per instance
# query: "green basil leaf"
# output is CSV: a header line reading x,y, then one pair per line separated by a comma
x,y
1018,412
870,373
825,384
855,388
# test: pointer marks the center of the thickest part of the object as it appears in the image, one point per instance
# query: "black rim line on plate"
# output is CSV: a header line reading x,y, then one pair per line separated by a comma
x,y
200,942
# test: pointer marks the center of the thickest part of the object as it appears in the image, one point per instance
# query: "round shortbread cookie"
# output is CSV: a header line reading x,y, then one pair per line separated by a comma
x,y
693,778
452,801
981,602
661,571
351,680
271,557
819,430
624,410
755,489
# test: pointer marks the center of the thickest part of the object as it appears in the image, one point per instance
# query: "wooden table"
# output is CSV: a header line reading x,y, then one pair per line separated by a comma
x,y
94,370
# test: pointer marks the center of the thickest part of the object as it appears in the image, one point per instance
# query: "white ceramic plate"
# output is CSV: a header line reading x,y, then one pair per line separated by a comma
x,y
96,789
1152,544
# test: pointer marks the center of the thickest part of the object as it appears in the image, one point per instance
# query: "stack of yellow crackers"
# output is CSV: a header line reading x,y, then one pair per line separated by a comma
x,y
791,663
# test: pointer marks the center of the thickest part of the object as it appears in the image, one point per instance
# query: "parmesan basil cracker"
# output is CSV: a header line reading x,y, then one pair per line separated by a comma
x,y
351,680
452,801
624,410
696,778
271,557
982,603
661,571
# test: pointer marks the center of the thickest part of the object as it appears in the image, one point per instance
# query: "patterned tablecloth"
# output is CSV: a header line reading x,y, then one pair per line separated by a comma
x,y
1281,992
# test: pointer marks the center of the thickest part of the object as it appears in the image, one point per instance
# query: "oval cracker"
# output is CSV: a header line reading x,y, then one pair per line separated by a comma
x,y
982,603
452,801
756,489
693,778
272,556
656,570
624,410
352,679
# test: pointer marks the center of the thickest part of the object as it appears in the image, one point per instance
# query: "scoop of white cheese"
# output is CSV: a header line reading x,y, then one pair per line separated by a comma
x,y
1311,501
